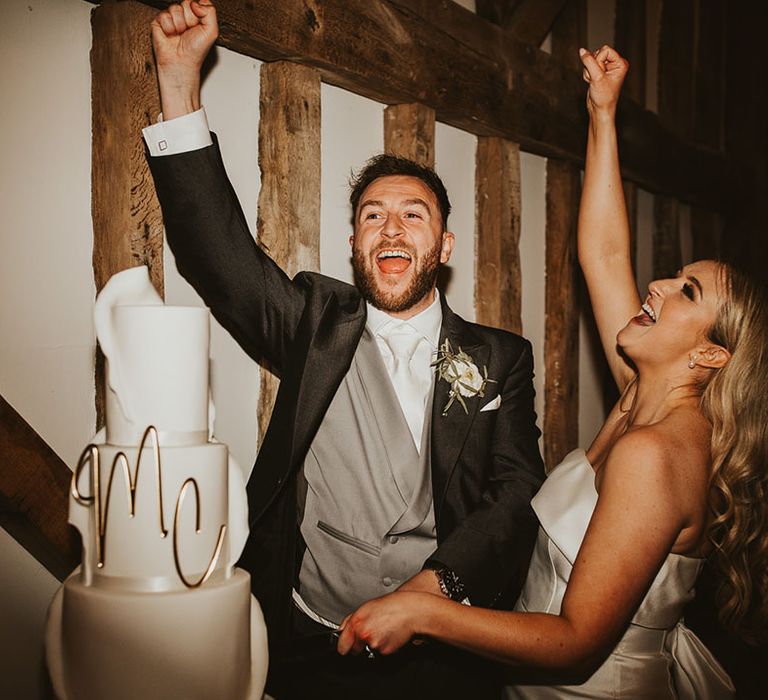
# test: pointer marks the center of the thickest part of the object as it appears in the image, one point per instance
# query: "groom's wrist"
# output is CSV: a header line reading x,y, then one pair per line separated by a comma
x,y
449,581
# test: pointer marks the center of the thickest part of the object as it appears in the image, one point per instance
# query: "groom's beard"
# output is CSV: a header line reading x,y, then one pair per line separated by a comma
x,y
422,282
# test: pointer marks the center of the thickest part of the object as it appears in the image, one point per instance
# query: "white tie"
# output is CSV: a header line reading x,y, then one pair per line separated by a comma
x,y
402,341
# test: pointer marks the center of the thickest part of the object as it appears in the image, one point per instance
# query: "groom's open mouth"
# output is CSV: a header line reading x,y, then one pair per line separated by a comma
x,y
393,261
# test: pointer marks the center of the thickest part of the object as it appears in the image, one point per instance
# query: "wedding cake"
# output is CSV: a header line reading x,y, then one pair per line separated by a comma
x,y
157,609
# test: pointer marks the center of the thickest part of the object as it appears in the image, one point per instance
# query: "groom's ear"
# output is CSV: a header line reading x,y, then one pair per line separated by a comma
x,y
447,246
351,240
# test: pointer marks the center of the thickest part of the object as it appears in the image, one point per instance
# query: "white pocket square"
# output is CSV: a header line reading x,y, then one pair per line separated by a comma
x,y
492,405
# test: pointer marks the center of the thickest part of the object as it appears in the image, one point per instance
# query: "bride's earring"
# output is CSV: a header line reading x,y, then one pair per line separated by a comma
x,y
692,361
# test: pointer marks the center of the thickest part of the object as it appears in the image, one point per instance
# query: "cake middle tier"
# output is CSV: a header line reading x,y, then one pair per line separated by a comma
x,y
157,520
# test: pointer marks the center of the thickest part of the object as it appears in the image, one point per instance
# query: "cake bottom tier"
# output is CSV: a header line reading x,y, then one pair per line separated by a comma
x,y
208,642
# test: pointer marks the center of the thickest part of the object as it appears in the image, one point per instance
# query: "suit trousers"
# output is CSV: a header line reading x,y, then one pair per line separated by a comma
x,y
312,668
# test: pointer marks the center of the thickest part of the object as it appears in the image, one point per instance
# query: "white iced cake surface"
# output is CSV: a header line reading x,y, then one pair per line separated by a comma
x,y
157,608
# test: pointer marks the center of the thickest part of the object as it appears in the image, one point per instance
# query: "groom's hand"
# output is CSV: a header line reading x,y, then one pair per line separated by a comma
x,y
182,36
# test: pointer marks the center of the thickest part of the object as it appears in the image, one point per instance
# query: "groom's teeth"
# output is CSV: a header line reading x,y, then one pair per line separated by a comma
x,y
394,254
649,310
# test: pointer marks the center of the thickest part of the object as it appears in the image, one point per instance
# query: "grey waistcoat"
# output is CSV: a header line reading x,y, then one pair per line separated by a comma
x,y
368,521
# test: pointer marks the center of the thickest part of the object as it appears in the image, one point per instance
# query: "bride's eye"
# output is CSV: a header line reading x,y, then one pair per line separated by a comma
x,y
688,290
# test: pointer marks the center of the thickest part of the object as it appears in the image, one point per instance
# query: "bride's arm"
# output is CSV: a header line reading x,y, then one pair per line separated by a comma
x,y
634,524
603,228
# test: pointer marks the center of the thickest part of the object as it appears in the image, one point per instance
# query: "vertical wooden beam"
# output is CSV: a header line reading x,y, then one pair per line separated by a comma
x,y
127,223
497,234
561,327
709,76
630,42
34,495
409,131
676,52
667,255
707,230
289,199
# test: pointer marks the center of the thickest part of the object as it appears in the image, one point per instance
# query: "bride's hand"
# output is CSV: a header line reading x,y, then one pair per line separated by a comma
x,y
383,625
604,72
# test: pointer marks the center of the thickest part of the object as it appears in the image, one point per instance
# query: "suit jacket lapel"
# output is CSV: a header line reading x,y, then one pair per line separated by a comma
x,y
449,432
329,355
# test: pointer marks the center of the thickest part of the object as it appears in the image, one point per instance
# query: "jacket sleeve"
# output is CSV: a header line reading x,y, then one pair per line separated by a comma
x,y
490,547
215,252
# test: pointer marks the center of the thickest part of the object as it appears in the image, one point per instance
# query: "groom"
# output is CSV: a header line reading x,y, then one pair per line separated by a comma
x,y
367,479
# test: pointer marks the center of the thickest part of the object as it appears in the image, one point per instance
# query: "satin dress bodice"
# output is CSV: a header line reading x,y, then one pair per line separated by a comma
x,y
657,657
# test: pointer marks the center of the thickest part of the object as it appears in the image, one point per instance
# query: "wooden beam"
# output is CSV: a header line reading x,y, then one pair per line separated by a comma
x,y
676,72
289,198
34,495
707,230
497,11
409,131
561,325
127,223
709,75
497,234
532,20
475,75
629,40
667,255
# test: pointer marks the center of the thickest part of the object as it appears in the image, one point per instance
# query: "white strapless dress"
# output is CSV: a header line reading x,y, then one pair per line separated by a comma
x,y
658,657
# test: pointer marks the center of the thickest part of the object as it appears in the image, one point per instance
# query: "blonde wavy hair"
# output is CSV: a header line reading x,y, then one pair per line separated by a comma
x,y
734,400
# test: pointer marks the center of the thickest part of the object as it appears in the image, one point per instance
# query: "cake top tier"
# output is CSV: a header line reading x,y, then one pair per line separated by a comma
x,y
157,363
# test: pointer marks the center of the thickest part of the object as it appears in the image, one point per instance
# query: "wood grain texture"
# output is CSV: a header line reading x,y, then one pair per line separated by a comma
x,y
127,222
34,495
289,199
409,131
474,74
497,234
561,327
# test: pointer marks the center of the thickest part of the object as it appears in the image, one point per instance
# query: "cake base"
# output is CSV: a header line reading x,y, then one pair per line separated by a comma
x,y
193,644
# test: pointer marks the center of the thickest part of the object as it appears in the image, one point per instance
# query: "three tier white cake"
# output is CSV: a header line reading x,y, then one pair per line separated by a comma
x,y
157,608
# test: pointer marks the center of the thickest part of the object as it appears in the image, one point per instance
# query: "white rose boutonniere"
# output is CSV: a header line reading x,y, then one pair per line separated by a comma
x,y
460,371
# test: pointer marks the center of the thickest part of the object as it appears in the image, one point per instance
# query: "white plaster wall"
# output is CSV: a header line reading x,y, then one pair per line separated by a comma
x,y
46,283
533,219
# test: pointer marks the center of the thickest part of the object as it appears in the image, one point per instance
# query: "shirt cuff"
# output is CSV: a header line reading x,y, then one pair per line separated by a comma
x,y
187,133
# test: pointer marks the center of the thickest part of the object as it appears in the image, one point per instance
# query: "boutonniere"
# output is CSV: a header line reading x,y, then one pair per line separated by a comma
x,y
460,371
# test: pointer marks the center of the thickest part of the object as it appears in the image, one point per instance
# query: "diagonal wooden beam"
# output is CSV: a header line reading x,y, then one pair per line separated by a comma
x,y
34,495
475,75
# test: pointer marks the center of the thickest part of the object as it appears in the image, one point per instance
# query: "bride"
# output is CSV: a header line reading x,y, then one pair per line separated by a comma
x,y
678,472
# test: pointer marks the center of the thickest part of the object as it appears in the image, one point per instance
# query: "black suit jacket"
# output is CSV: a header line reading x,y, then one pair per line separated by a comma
x,y
486,465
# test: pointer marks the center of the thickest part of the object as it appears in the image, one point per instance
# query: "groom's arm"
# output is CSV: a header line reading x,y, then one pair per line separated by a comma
x,y
206,229
490,546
